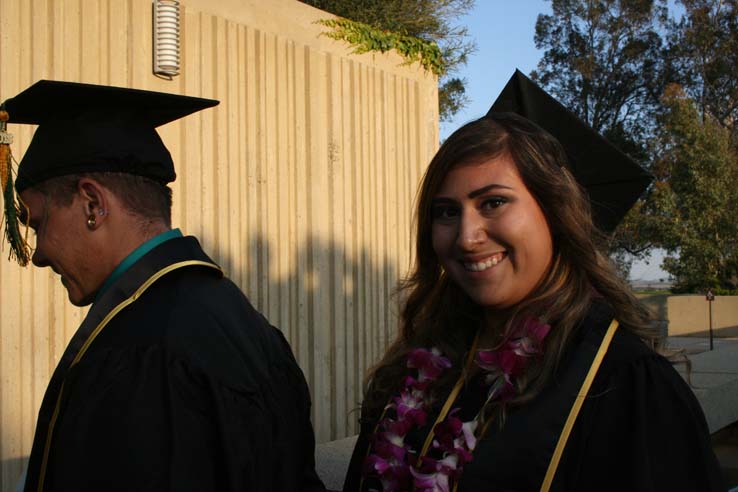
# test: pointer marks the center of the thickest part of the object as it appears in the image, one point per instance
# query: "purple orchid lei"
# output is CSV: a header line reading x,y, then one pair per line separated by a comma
x,y
393,461
503,365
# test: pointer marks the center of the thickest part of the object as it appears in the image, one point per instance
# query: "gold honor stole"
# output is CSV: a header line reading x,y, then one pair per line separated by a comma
x,y
574,412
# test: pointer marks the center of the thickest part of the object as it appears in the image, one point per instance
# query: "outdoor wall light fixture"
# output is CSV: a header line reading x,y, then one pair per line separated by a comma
x,y
166,38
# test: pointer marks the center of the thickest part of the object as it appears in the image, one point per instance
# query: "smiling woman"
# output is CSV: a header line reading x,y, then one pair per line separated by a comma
x,y
494,241
509,371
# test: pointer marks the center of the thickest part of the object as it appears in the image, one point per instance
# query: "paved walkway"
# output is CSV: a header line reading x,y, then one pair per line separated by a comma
x,y
715,382
698,345
332,460
714,377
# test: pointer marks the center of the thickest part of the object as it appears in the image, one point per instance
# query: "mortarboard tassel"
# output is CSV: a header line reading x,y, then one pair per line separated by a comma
x,y
19,248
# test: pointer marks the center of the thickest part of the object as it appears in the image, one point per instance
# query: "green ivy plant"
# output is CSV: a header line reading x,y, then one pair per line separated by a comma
x,y
365,38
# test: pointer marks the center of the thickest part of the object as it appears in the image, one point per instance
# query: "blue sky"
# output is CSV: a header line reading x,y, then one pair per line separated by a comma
x,y
503,31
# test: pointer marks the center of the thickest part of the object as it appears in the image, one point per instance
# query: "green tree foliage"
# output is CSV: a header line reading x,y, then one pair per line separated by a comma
x,y
703,52
604,60
696,195
366,38
611,62
428,20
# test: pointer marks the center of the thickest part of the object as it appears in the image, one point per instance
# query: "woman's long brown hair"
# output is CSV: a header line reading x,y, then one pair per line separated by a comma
x,y
437,313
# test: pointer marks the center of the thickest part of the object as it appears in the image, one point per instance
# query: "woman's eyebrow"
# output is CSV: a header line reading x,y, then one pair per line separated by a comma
x,y
484,189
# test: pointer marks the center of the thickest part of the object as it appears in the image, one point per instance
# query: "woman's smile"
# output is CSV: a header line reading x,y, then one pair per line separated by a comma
x,y
484,264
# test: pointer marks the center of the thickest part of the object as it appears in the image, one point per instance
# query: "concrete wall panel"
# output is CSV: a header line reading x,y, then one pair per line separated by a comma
x,y
689,315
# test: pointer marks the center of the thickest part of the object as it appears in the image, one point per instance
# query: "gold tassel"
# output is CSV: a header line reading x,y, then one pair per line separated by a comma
x,y
19,248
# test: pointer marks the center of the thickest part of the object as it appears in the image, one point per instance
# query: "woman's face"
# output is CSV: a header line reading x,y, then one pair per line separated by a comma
x,y
489,233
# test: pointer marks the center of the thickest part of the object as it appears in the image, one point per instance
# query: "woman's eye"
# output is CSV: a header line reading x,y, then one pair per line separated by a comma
x,y
493,203
444,212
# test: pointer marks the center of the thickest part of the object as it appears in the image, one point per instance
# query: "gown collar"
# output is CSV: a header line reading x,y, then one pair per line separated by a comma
x,y
136,255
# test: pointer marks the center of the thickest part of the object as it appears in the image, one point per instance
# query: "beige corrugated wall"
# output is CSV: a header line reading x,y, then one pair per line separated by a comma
x,y
300,183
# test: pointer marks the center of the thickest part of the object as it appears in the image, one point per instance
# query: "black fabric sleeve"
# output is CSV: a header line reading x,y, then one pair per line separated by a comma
x,y
299,443
641,429
353,474
149,422
222,409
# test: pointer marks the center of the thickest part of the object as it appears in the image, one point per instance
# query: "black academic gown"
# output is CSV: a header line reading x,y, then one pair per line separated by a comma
x,y
186,388
640,429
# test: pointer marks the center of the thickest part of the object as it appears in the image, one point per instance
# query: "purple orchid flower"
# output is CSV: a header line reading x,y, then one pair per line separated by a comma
x,y
435,475
468,429
397,479
387,450
429,363
409,406
374,464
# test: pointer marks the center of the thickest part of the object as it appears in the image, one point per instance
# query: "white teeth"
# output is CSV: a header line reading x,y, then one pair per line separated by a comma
x,y
482,265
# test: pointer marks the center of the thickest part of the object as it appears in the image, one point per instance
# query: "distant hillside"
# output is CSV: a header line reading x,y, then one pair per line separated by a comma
x,y
643,285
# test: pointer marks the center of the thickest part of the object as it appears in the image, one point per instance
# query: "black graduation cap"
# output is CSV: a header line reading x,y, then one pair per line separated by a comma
x,y
87,128
612,179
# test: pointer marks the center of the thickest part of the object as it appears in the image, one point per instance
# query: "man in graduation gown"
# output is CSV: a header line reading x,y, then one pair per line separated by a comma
x,y
173,381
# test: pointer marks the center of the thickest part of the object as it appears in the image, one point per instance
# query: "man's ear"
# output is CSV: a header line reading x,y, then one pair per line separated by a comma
x,y
96,200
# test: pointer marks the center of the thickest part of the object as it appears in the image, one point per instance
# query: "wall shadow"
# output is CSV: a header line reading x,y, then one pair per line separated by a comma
x,y
336,304
657,304
722,332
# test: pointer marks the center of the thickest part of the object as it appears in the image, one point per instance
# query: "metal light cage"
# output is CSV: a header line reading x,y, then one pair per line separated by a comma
x,y
166,37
